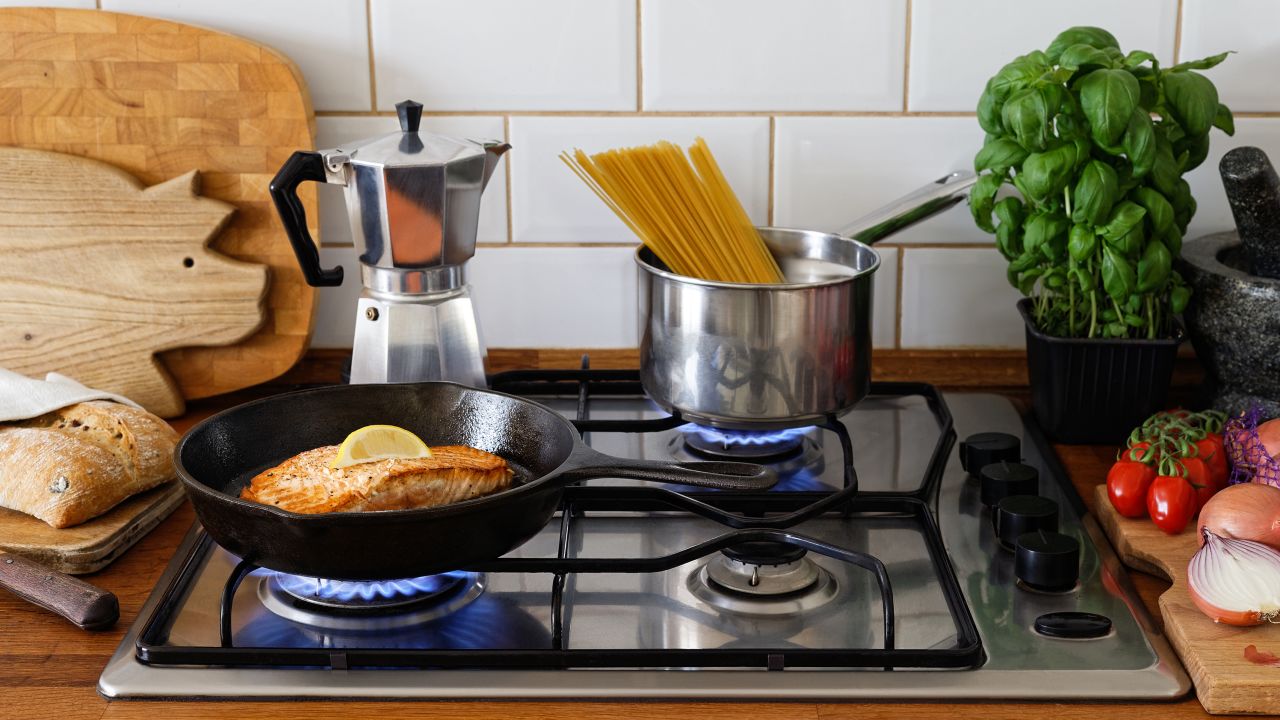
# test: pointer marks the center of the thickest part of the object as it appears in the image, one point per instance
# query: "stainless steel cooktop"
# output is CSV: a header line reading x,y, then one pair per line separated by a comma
x,y
714,625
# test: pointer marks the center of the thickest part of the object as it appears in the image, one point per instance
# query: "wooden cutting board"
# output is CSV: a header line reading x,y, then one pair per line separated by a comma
x,y
100,273
90,546
1213,653
159,99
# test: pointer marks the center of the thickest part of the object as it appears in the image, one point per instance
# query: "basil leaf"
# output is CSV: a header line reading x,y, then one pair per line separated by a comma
x,y
1130,244
1013,77
1164,170
1082,243
1025,116
1154,267
1196,150
1159,211
981,199
1027,283
1184,205
1192,100
1139,143
1096,192
1178,298
1173,241
1124,218
1137,57
1041,231
1080,35
989,113
1203,64
1008,242
1080,55
1224,120
999,155
1083,278
1108,98
1024,262
1117,275
1045,174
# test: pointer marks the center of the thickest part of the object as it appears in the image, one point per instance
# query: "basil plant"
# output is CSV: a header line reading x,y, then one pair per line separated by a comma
x,y
1095,141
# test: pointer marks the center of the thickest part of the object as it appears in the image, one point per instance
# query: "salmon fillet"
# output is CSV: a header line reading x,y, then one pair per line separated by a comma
x,y
306,484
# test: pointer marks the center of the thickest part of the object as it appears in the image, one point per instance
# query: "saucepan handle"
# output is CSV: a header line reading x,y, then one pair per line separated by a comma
x,y
744,477
911,208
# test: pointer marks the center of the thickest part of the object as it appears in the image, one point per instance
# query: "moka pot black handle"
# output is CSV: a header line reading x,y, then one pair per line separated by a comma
x,y
301,166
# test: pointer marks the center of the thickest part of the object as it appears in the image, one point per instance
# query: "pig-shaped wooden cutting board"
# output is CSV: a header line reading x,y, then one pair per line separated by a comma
x,y
98,273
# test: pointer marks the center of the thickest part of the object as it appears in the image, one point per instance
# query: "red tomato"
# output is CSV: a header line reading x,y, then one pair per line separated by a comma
x,y
1201,477
1127,485
1171,501
1215,456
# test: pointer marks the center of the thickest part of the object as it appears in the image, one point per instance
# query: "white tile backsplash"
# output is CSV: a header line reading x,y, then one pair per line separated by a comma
x,y
524,297
829,171
550,204
506,54
828,77
769,55
333,131
956,45
958,297
328,39
1246,80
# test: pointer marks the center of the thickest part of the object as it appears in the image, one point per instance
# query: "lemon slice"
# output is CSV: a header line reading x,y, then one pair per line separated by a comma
x,y
379,442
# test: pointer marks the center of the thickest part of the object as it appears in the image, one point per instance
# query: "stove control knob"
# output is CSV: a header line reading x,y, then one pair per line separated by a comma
x,y
1020,514
1073,625
988,447
1002,479
1047,561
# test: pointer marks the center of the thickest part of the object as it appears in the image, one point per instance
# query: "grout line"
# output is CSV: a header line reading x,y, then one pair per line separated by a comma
x,y
906,60
937,245
897,311
657,113
506,137
1177,35
773,173
639,61
373,76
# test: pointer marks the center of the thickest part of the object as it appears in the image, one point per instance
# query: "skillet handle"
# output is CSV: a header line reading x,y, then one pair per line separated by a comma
x,y
911,208
743,477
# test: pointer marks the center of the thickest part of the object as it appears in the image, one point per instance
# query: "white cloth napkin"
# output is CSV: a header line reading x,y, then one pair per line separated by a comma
x,y
22,397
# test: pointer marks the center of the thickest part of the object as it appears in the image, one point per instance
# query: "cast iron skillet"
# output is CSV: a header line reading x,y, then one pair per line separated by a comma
x,y
218,456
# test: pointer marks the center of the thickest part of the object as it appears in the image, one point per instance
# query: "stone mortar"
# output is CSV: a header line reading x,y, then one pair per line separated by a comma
x,y
1234,323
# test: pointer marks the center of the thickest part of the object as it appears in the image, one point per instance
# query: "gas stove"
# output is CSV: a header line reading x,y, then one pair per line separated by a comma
x,y
872,570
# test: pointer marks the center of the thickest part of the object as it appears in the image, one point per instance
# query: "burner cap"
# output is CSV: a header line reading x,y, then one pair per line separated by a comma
x,y
342,605
765,552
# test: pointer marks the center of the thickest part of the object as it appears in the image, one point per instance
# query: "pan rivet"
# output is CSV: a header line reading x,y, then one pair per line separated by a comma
x,y
371,313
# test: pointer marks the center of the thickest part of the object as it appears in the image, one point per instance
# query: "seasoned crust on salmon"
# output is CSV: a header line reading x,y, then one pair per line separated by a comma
x,y
306,484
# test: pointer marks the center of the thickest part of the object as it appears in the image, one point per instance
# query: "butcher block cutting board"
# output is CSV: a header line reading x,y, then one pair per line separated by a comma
x,y
91,546
100,273
1213,653
159,99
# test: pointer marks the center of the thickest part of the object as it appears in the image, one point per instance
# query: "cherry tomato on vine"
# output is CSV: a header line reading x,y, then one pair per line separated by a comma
x,y
1212,452
1140,452
1202,480
1127,486
1171,501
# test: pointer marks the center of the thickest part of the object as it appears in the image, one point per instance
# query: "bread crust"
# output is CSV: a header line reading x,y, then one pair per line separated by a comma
x,y
73,464
306,484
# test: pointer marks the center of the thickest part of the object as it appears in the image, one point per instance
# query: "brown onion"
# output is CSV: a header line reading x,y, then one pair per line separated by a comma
x,y
1235,582
1247,511
1269,435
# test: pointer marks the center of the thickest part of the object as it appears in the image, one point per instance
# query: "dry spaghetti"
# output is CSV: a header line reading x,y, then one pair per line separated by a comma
x,y
681,207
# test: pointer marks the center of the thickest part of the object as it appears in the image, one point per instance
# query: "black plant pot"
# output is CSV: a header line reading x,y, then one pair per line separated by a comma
x,y
1095,390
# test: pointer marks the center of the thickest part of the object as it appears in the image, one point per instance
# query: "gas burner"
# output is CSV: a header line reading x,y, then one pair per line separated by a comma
x,y
753,445
377,605
763,578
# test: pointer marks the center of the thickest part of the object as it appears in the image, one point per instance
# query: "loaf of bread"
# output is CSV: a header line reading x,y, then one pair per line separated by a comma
x,y
73,464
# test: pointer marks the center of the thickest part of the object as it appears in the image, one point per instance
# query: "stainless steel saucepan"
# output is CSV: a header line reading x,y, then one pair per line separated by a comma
x,y
751,356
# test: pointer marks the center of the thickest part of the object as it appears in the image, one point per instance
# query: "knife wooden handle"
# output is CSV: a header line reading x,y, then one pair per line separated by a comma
x,y
89,607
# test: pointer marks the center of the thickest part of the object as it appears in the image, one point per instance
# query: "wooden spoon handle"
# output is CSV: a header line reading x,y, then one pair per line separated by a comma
x,y
89,607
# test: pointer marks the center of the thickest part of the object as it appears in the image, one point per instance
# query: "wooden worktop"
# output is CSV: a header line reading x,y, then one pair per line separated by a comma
x,y
49,669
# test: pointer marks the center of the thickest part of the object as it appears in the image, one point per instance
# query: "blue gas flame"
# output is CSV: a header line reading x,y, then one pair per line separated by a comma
x,y
377,590
738,438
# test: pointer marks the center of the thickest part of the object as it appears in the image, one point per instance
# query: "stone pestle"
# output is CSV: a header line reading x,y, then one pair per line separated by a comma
x,y
1253,189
